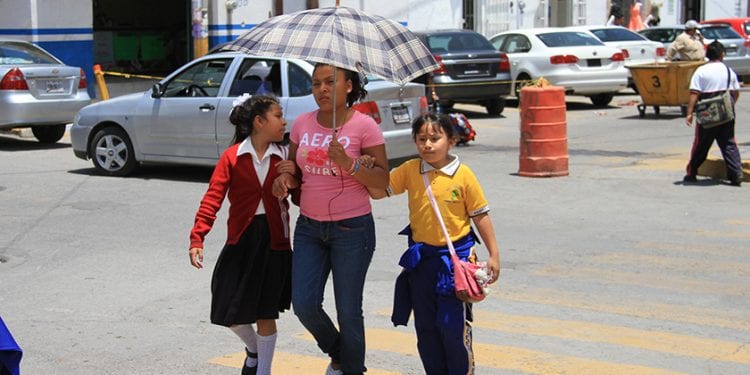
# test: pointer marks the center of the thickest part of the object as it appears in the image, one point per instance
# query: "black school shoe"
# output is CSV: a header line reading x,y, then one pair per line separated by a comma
x,y
249,370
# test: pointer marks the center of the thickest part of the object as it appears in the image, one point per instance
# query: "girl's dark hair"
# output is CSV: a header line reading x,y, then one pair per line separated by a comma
x,y
242,116
358,85
436,121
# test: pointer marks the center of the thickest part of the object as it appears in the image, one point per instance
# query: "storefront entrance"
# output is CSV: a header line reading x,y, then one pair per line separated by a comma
x,y
141,36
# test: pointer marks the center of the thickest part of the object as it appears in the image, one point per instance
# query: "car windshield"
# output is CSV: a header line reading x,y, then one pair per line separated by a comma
x,y
456,42
723,32
568,39
21,53
619,34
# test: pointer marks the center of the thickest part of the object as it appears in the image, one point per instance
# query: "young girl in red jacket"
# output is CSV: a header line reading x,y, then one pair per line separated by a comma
x,y
251,281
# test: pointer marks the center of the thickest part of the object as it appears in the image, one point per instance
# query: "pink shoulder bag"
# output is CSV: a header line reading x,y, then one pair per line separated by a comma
x,y
471,279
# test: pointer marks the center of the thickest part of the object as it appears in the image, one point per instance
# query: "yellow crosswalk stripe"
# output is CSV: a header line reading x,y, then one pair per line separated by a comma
x,y
290,363
664,342
701,248
720,234
513,358
633,308
738,222
675,264
676,283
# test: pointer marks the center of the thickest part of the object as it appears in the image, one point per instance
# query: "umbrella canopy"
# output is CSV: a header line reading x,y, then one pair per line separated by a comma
x,y
342,37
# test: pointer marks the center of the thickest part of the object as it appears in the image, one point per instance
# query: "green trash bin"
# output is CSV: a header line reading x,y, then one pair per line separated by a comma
x,y
125,46
152,47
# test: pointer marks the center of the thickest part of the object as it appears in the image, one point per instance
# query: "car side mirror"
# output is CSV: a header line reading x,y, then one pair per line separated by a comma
x,y
157,90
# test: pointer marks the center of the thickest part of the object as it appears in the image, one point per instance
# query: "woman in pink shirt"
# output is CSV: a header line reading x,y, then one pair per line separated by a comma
x,y
335,232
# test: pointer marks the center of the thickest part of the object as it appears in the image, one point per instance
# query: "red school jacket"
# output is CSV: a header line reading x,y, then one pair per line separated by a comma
x,y
236,178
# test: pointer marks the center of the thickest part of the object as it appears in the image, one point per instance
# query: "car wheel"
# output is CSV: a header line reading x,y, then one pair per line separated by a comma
x,y
521,81
49,133
112,152
601,100
495,106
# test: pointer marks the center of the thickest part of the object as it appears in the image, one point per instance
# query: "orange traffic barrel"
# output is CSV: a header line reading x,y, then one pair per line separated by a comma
x,y
544,140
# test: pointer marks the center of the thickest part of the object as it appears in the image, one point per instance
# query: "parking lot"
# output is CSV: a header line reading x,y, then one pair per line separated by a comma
x,y
616,268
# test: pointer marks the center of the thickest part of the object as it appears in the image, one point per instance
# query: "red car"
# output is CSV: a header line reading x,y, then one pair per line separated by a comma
x,y
740,24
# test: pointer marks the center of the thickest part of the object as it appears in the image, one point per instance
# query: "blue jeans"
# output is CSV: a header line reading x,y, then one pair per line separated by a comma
x,y
345,248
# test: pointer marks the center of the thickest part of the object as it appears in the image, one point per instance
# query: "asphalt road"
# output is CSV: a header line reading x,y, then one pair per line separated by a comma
x,y
617,268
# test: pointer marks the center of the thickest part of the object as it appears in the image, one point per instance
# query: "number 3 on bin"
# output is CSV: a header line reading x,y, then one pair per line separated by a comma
x,y
655,81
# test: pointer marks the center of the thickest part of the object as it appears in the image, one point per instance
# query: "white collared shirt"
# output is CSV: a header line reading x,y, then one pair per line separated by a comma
x,y
261,166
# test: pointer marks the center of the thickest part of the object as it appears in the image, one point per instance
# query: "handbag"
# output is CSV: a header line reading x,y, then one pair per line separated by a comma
x,y
471,280
716,110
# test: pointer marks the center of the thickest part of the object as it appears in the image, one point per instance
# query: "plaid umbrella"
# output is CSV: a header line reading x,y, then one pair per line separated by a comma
x,y
342,37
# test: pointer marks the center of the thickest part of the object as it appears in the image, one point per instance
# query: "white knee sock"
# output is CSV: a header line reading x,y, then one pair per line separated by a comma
x,y
266,347
246,332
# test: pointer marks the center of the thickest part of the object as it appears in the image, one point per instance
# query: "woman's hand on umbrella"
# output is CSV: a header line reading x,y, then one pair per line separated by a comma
x,y
337,154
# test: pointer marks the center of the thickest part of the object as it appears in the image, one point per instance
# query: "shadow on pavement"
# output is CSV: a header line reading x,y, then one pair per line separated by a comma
x,y
159,172
701,182
652,117
12,143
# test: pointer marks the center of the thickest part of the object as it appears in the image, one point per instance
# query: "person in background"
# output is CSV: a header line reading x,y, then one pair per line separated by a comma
x,y
616,18
251,281
653,18
441,318
636,21
707,81
335,231
689,44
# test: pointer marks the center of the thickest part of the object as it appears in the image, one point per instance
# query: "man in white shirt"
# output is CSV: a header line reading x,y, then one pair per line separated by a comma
x,y
710,79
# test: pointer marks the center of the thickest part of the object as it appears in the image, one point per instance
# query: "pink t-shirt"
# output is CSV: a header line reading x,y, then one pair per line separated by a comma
x,y
326,197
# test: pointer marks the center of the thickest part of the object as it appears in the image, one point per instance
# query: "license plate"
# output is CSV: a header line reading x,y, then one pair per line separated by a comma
x,y
594,62
54,87
401,114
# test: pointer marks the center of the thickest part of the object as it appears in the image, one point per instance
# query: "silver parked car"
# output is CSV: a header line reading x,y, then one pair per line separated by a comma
x,y
736,56
574,60
184,119
38,91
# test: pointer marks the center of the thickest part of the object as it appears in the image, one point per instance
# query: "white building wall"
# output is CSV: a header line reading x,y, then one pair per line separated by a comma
x,y
16,15
230,23
670,12
724,9
64,13
415,14
47,14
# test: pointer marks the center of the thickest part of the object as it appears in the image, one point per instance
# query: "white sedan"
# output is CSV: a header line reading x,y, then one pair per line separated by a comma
x,y
637,48
574,60
184,119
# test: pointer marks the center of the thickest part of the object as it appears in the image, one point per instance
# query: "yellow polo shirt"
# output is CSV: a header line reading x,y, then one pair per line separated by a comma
x,y
457,192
